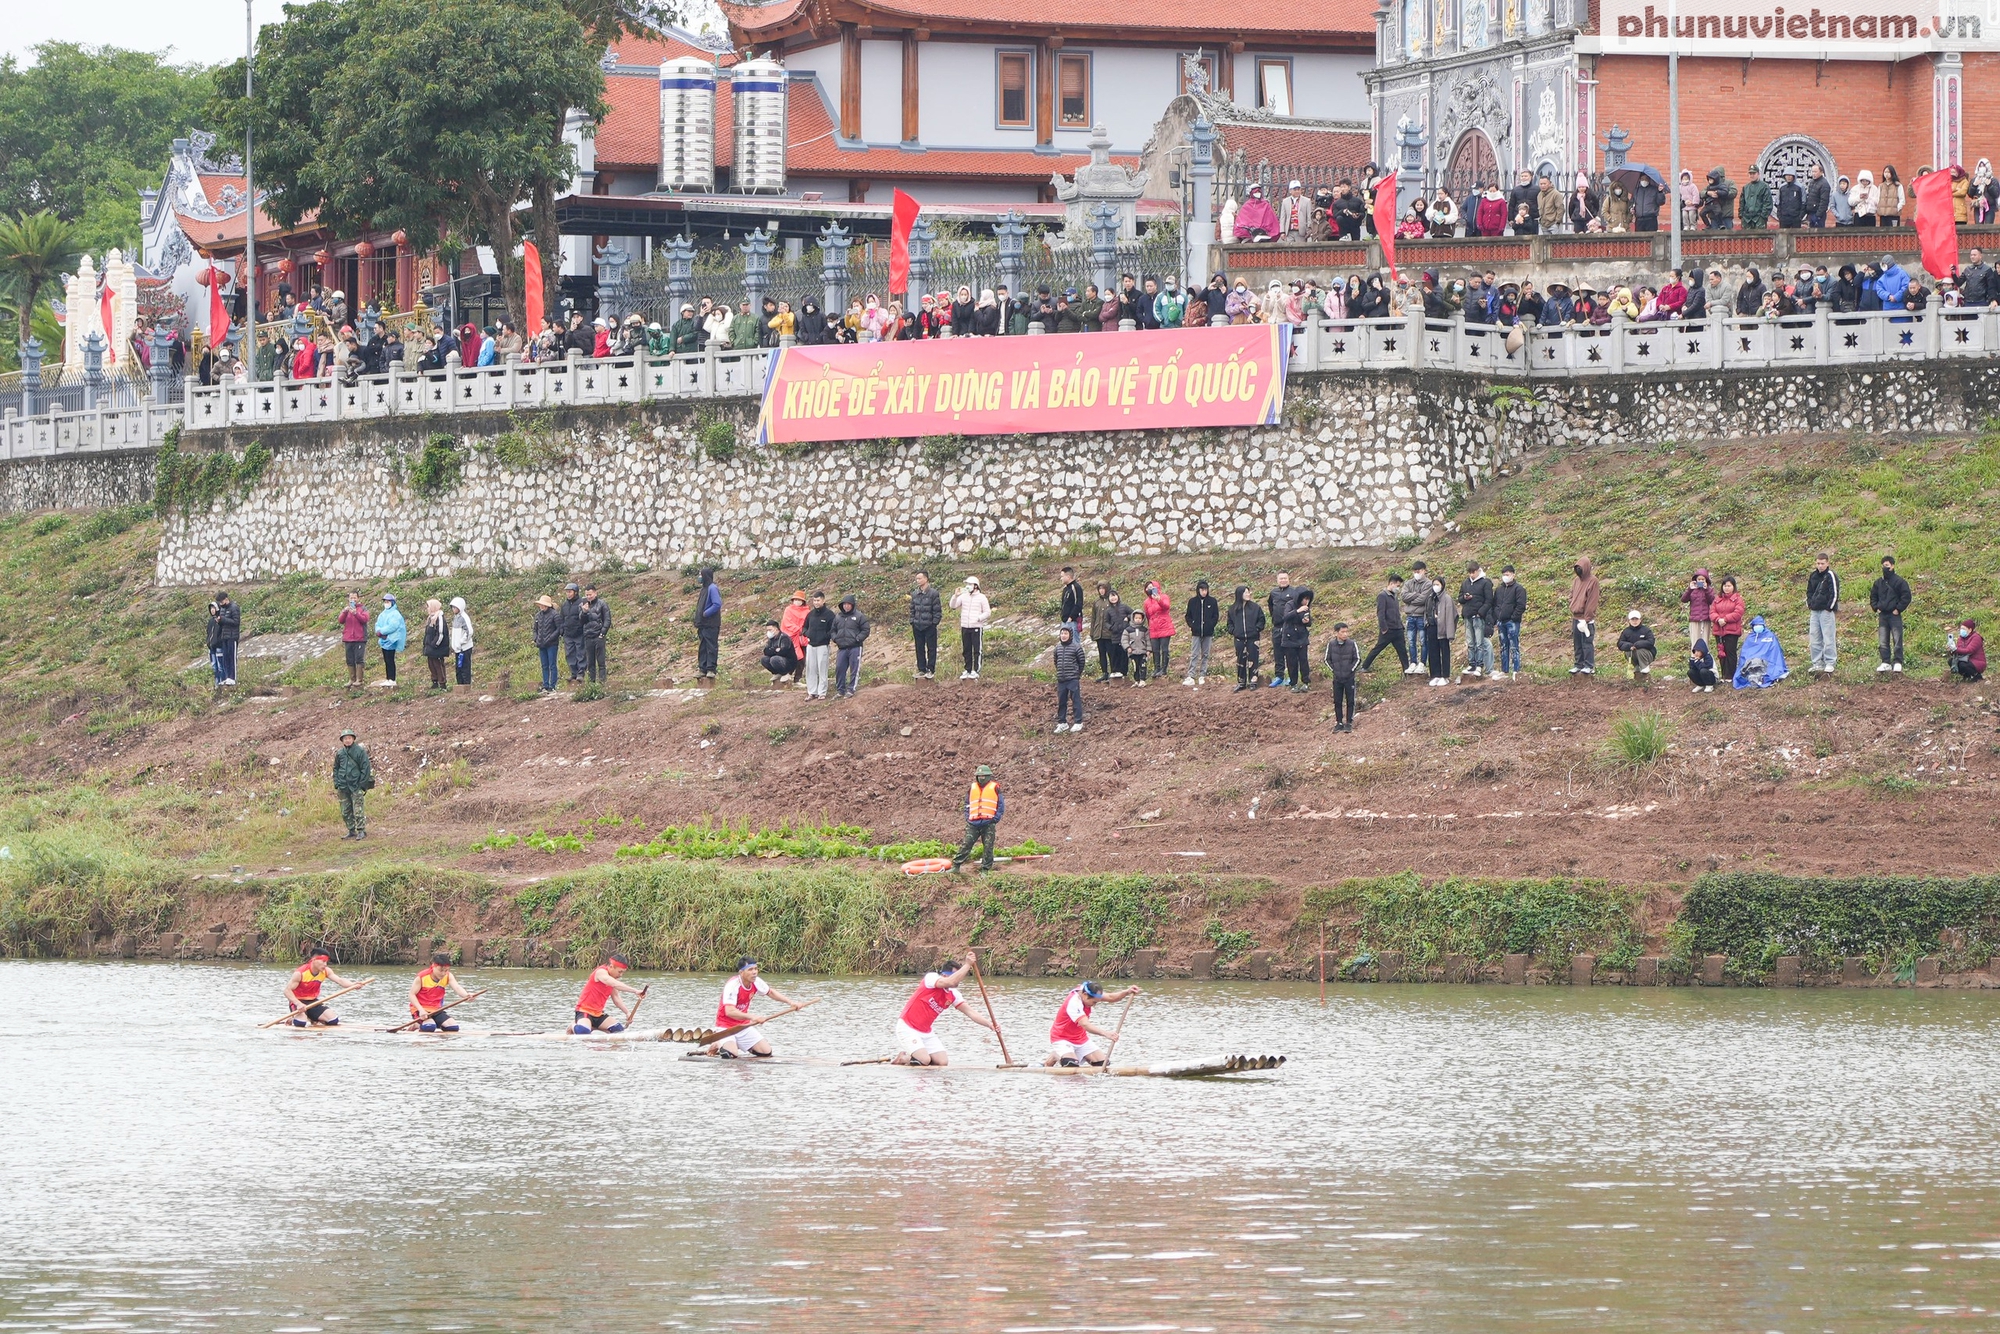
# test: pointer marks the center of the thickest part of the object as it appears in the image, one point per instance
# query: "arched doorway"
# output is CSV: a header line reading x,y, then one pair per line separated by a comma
x,y
1473,164
1796,153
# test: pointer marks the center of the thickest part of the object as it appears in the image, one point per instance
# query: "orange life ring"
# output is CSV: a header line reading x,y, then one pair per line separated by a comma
x,y
926,865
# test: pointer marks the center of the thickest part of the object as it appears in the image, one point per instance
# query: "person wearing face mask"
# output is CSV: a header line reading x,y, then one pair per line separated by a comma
x,y
1699,597
1510,604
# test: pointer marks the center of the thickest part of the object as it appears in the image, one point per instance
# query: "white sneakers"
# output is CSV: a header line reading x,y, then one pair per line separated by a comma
x,y
1414,669
968,676
1061,728
1076,727
1187,680
1896,667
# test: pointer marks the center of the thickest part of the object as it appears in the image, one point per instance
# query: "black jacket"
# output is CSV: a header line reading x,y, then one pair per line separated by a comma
x,y
1634,637
1697,302
1510,602
1475,598
225,625
569,614
1819,197
781,647
548,629
1246,618
1388,613
818,628
926,607
1072,601
1279,603
1823,591
1343,658
1791,202
1295,631
594,619
1070,663
1201,614
850,627
1890,593
1980,284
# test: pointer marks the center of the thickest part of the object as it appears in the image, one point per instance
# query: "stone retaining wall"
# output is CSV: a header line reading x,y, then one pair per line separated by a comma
x,y
1360,460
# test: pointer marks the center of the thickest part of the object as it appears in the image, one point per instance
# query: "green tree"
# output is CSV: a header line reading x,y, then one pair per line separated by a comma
x,y
34,251
84,128
442,118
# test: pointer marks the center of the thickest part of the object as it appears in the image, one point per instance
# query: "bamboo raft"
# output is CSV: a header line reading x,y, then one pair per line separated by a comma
x,y
1197,1068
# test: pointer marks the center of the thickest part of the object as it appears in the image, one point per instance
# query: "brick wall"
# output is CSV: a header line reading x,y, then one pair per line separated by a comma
x,y
1867,113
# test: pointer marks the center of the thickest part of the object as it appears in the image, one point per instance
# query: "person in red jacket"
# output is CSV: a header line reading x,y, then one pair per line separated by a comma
x,y
917,1043
1159,627
1725,624
354,624
1968,652
598,994
1072,1037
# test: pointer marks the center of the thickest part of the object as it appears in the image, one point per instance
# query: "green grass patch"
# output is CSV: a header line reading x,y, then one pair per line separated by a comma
x,y
1755,919
1551,920
1641,740
365,915
1116,913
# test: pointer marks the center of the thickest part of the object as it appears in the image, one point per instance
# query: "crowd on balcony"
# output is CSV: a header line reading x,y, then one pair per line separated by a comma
x,y
1633,199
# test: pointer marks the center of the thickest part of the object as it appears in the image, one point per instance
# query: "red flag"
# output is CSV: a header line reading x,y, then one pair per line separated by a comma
x,y
1936,223
218,311
531,285
1385,221
903,216
106,310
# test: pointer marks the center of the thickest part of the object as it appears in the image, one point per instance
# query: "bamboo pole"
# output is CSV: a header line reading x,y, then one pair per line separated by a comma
x,y
1118,1032
462,1000
994,1019
323,1000
1322,965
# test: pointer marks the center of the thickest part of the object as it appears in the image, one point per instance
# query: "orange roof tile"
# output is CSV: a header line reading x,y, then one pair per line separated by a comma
x,y
213,186
629,134
657,48
1295,146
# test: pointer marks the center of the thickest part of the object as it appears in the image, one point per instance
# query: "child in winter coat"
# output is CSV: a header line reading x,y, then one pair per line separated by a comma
x,y
1701,668
1138,645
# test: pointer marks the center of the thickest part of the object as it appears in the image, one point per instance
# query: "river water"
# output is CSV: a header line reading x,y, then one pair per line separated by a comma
x,y
1432,1158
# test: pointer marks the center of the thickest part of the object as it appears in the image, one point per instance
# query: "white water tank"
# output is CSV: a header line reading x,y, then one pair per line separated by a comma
x,y
758,85
687,125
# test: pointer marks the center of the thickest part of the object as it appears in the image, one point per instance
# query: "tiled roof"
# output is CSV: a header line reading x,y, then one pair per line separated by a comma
x,y
207,234
1346,18
656,49
1296,146
629,136
213,185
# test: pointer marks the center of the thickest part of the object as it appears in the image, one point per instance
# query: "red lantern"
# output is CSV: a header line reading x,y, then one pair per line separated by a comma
x,y
285,267
322,257
203,275
364,249
401,238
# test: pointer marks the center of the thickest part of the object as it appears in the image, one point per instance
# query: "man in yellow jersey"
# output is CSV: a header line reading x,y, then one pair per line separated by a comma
x,y
303,991
427,996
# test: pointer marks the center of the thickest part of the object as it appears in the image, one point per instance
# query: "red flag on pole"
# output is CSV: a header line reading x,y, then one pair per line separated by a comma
x,y
531,275
107,309
218,310
902,217
1385,220
1936,223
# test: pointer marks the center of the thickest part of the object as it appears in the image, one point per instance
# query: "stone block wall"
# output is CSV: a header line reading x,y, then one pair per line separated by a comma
x,y
1358,461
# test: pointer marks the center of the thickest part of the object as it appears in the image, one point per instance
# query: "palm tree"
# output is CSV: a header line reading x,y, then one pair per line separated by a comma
x,y
35,249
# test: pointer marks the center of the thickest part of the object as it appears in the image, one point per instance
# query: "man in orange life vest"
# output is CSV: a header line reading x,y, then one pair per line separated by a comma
x,y
590,1006
916,1043
738,993
984,808
427,996
1071,1035
303,993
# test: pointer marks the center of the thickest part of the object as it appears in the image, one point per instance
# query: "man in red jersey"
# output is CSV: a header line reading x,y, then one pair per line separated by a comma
x,y
742,988
303,993
591,1005
427,996
1072,1035
916,1043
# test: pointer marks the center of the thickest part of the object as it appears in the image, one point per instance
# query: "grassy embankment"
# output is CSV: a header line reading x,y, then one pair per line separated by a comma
x,y
91,649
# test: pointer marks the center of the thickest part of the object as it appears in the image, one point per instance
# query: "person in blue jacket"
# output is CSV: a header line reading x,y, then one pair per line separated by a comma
x,y
1760,662
708,624
1893,286
392,634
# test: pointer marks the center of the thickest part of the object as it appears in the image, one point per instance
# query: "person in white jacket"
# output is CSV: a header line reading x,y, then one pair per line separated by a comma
x,y
973,612
1865,199
461,642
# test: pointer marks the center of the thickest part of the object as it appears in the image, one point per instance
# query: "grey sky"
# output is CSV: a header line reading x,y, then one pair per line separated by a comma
x,y
206,31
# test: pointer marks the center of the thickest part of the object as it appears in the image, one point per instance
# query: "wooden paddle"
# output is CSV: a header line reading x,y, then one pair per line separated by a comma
x,y
704,1036
323,1000
636,1003
462,1000
873,1060
1118,1032
992,1017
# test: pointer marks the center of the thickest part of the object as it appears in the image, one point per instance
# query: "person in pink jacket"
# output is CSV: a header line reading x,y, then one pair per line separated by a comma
x,y
1159,627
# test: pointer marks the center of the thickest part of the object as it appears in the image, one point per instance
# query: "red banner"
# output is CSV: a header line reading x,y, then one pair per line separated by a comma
x,y
531,289
1230,375
902,216
1385,221
1936,223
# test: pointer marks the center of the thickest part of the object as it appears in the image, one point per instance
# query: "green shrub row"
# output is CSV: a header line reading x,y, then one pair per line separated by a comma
x,y
1754,919
1552,920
